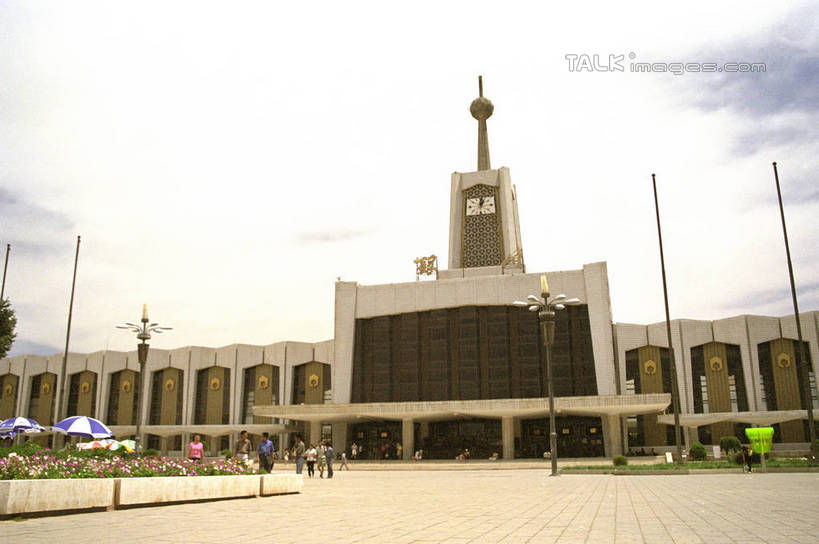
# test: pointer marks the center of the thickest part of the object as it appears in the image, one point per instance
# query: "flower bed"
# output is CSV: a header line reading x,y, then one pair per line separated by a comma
x,y
46,465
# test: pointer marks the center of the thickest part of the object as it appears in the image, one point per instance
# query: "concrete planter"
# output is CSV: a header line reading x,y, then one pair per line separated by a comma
x,y
136,491
24,496
33,496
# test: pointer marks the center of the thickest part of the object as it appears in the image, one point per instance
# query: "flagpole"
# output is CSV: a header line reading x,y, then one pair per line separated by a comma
x,y
5,267
675,390
61,405
802,356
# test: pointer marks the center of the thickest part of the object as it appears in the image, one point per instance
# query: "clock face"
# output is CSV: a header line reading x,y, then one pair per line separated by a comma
x,y
483,205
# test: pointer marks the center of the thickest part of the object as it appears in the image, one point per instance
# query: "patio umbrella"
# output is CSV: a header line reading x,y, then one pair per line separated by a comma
x,y
93,445
114,445
83,426
18,424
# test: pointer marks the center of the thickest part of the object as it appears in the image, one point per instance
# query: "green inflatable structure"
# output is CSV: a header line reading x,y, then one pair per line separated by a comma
x,y
760,438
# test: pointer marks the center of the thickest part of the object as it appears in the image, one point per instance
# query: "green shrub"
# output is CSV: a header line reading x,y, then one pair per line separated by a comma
x,y
729,444
697,452
25,450
226,452
150,452
619,460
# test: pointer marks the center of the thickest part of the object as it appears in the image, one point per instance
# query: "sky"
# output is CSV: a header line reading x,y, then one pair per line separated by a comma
x,y
225,163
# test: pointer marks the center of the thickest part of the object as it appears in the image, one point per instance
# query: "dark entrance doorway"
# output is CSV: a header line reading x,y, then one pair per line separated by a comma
x,y
576,437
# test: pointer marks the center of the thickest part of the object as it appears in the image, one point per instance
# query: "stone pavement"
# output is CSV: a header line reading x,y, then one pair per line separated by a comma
x,y
509,506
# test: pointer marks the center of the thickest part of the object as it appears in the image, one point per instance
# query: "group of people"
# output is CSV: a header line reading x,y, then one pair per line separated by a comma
x,y
241,450
322,454
382,450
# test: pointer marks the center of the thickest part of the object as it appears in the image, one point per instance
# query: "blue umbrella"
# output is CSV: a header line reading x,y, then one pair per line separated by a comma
x,y
17,424
83,426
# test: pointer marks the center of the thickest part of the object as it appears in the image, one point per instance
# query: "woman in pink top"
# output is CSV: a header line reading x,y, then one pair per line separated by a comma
x,y
196,449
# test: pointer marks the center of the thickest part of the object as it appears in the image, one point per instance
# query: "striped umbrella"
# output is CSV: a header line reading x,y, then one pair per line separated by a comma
x,y
18,424
83,426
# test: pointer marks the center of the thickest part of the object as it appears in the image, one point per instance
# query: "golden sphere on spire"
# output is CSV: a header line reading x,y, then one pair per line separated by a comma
x,y
481,108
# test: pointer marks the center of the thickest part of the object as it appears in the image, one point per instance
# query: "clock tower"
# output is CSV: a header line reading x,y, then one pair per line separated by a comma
x,y
484,230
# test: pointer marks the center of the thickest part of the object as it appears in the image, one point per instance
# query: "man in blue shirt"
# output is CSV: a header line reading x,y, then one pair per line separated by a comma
x,y
265,452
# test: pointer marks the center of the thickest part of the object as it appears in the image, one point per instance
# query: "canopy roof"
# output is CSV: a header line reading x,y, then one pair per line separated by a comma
x,y
752,418
205,430
608,405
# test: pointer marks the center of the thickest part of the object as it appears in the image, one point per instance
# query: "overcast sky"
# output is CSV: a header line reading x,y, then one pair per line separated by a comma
x,y
224,163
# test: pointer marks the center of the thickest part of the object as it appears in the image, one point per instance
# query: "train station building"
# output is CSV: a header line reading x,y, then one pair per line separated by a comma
x,y
446,363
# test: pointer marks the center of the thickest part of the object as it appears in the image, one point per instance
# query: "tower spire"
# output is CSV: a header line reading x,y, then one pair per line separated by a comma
x,y
481,109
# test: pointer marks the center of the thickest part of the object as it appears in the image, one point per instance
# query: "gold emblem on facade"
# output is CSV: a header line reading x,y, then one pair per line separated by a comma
x,y
126,386
45,389
263,382
215,384
85,387
8,390
650,367
783,360
170,385
715,363
313,380
426,266
514,259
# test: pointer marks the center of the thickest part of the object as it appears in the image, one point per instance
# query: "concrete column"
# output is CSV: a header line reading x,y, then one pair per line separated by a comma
x,y
163,446
339,437
284,443
612,436
508,434
408,438
315,432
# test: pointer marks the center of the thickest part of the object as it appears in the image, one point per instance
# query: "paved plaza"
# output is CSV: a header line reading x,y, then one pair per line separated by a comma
x,y
509,506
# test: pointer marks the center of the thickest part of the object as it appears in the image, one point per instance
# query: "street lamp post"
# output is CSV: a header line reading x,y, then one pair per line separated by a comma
x,y
545,309
143,333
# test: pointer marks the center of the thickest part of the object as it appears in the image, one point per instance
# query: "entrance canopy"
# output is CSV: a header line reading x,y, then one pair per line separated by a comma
x,y
609,405
205,430
752,418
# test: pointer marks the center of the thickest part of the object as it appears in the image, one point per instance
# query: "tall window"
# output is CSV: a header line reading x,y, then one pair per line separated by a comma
x,y
732,393
250,395
704,393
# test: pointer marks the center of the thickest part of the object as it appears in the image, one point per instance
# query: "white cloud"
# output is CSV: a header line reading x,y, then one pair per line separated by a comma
x,y
225,166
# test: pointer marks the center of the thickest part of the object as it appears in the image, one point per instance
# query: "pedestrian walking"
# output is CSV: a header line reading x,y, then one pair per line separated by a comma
x,y
311,461
330,455
241,451
344,461
298,454
321,458
265,451
196,449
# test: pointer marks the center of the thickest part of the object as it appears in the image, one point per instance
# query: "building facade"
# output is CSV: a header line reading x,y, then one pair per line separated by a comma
x,y
448,363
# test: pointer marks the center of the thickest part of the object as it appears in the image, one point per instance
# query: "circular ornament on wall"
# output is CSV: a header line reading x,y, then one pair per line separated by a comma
x,y
126,386
313,380
215,384
8,390
85,387
650,367
45,389
783,361
263,382
170,385
716,364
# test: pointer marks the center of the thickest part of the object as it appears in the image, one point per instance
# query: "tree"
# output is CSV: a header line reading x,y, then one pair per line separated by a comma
x,y
8,321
